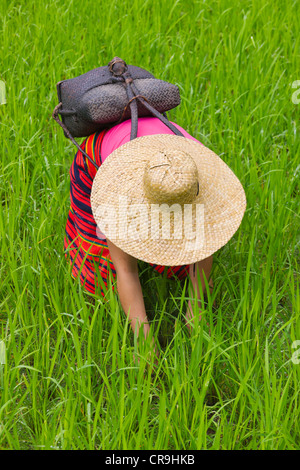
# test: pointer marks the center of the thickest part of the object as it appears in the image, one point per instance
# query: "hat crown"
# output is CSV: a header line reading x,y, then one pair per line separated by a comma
x,y
171,177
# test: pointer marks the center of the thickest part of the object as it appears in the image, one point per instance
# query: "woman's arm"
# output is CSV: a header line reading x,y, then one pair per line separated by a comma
x,y
204,268
129,288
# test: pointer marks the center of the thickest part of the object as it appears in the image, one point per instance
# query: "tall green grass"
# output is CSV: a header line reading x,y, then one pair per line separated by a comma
x,y
68,379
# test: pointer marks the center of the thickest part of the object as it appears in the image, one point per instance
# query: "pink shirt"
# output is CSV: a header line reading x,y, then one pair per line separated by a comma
x,y
120,134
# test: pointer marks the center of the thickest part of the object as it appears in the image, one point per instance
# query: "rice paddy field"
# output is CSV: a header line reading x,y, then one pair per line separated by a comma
x,y
68,379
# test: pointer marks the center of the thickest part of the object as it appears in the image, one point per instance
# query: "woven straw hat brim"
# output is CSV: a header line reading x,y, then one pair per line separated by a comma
x,y
122,210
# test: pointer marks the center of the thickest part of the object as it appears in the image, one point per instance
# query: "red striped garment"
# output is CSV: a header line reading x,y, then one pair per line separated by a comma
x,y
88,255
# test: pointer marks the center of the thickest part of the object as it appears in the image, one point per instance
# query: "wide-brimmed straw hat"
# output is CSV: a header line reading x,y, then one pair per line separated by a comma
x,y
167,200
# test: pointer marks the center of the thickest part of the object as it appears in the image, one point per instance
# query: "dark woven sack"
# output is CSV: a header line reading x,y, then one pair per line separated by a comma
x,y
97,99
108,95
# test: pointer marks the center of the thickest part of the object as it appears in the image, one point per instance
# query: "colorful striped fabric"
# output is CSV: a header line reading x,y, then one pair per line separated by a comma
x,y
88,255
